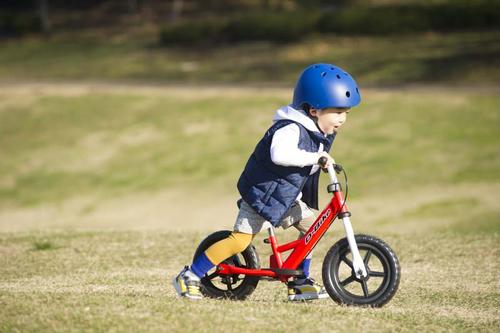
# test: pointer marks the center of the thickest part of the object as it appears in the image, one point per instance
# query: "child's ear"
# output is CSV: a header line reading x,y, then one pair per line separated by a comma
x,y
313,112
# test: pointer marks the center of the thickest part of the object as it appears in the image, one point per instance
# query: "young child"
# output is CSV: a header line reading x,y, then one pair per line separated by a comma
x,y
279,184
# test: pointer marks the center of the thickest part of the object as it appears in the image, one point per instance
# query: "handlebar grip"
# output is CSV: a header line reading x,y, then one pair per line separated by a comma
x,y
322,162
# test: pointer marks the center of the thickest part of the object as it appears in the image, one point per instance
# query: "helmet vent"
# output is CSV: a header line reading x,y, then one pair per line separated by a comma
x,y
332,68
323,74
348,94
338,76
357,90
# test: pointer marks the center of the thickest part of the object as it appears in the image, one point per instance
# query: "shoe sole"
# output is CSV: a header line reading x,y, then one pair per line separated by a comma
x,y
179,292
307,297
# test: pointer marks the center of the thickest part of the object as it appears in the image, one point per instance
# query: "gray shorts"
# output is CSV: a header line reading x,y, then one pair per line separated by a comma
x,y
249,222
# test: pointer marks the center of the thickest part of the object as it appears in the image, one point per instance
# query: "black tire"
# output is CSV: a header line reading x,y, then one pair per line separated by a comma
x,y
233,286
383,268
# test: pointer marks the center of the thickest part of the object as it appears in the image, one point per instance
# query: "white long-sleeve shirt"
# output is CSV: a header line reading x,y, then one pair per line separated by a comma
x,y
285,149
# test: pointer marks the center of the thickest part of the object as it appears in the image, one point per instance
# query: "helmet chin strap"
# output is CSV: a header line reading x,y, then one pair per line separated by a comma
x,y
315,120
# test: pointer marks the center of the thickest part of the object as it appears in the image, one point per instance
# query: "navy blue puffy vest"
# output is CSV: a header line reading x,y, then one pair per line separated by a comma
x,y
271,189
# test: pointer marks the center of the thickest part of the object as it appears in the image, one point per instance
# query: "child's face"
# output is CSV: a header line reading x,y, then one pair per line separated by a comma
x,y
330,119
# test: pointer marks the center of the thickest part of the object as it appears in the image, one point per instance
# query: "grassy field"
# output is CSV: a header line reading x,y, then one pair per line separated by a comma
x,y
120,281
463,58
81,151
98,206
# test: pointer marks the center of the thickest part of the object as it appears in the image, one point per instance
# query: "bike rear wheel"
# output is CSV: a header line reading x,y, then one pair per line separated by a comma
x,y
382,267
236,286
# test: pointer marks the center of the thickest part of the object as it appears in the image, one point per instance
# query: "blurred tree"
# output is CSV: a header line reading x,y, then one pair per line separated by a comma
x,y
133,5
324,3
43,11
176,10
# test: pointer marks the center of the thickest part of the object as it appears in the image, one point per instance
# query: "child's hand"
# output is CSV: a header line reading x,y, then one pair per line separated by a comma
x,y
329,159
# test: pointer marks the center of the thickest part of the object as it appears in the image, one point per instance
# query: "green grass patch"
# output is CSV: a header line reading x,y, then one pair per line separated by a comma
x,y
43,245
445,207
462,58
478,222
109,144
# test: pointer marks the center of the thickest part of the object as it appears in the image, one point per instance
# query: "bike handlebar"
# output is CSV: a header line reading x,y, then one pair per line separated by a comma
x,y
322,162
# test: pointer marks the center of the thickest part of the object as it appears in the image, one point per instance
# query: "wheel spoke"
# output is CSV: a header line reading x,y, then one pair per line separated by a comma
x,y
364,285
213,275
347,261
377,274
347,281
229,284
367,257
236,261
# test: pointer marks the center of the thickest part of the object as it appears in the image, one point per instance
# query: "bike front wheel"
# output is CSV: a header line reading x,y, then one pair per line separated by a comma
x,y
382,266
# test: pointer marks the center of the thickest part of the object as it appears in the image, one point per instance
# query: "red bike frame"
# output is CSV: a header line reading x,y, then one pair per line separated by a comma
x,y
301,247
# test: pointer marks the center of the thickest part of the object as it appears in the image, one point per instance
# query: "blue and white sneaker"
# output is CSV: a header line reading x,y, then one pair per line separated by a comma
x,y
187,284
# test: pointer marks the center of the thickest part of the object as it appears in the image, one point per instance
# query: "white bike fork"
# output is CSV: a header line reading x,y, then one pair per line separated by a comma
x,y
357,262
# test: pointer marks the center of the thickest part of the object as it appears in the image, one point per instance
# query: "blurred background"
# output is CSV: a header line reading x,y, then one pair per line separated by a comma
x,y
124,126
142,113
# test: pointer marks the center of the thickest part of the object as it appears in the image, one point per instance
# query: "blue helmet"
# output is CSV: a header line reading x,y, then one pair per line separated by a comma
x,y
325,86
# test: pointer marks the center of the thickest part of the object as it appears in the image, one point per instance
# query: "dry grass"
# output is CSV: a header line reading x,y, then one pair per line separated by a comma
x,y
120,281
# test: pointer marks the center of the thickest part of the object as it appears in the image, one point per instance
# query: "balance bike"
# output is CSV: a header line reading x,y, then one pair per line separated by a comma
x,y
357,270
